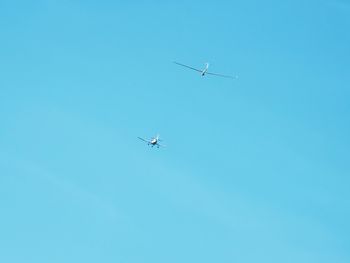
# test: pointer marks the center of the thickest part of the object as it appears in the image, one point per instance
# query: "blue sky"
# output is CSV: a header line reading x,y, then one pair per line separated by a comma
x,y
255,170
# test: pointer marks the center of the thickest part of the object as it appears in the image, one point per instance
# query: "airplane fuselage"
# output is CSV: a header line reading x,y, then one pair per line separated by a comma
x,y
154,142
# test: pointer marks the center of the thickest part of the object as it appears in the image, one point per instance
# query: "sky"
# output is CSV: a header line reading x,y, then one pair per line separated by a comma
x,y
254,169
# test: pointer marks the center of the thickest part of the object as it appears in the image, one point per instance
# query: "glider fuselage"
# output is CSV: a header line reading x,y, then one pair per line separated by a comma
x,y
205,70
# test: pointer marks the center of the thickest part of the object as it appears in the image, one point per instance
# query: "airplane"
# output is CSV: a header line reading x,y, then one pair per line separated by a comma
x,y
153,141
205,71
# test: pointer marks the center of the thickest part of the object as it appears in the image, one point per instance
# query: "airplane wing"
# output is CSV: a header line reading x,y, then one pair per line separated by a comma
x,y
187,66
143,139
224,76
161,145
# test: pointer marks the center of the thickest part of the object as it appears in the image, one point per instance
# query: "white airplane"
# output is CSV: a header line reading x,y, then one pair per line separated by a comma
x,y
153,141
205,71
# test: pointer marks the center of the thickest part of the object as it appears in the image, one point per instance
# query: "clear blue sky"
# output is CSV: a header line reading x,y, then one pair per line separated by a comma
x,y
255,170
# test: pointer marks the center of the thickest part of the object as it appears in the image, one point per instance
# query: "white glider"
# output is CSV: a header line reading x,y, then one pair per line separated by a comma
x,y
205,71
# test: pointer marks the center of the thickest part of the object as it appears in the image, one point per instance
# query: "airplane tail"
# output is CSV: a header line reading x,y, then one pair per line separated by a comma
x,y
158,138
